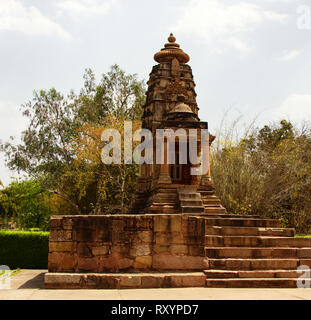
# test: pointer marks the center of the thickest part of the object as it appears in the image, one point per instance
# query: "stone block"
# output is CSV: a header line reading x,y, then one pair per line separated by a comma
x,y
173,262
61,261
141,250
145,236
143,262
120,248
56,223
125,263
117,224
83,250
304,253
119,236
63,278
122,280
167,223
83,234
172,281
196,250
130,281
193,240
187,280
60,235
99,251
305,262
144,223
87,264
152,281
59,246
67,223
169,238
159,248
104,235
108,263
179,249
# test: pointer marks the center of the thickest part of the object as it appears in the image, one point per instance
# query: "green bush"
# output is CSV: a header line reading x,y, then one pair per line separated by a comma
x,y
266,173
24,249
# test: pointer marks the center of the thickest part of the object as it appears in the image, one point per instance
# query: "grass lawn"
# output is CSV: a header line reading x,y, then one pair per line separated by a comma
x,y
12,272
303,236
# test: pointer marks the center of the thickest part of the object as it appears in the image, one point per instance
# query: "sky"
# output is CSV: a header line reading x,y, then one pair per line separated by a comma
x,y
250,59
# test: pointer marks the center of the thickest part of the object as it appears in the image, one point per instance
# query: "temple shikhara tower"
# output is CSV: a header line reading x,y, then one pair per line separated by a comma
x,y
171,104
177,233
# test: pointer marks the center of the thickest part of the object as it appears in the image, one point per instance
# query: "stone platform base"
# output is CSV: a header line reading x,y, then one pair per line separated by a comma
x,y
174,250
123,280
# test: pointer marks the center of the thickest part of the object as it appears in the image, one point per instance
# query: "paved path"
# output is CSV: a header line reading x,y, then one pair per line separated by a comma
x,y
28,285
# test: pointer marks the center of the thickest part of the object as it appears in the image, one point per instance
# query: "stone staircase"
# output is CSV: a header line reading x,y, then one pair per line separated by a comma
x,y
163,201
190,201
251,252
211,203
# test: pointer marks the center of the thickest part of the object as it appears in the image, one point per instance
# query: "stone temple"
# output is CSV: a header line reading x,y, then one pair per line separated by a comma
x,y
177,233
171,104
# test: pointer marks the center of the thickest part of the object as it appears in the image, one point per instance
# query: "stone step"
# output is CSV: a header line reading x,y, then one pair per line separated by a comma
x,y
167,204
243,222
249,231
256,264
166,195
256,241
210,199
228,215
214,205
214,210
252,283
167,198
223,274
191,209
257,253
194,203
158,206
189,196
207,193
161,209
207,205
166,190
124,280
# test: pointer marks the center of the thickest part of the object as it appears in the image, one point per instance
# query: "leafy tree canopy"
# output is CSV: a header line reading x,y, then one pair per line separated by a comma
x,y
58,125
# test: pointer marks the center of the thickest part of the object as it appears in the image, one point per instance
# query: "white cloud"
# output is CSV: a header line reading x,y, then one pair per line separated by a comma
x,y
289,55
12,123
76,8
222,25
29,20
296,107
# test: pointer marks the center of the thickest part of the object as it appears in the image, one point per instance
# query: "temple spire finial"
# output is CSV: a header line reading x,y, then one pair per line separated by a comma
x,y
171,38
171,51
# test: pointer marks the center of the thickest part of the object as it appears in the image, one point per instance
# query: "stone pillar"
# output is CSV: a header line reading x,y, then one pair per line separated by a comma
x,y
195,179
164,177
206,179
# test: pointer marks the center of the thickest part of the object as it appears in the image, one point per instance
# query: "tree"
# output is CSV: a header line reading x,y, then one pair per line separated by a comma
x,y
116,182
25,204
268,173
48,151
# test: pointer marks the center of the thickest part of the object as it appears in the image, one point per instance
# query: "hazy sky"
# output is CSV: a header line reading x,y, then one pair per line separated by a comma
x,y
250,56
